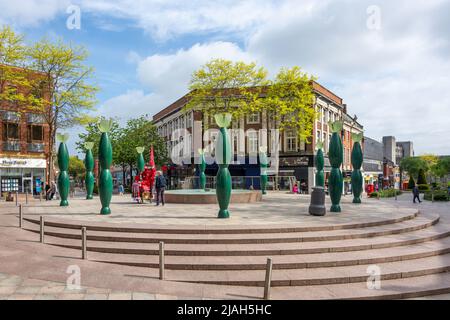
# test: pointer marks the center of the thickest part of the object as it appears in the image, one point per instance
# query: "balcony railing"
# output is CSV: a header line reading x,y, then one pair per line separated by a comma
x,y
35,118
11,146
36,147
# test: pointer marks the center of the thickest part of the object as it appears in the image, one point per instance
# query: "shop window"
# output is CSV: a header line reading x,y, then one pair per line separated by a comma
x,y
35,133
10,131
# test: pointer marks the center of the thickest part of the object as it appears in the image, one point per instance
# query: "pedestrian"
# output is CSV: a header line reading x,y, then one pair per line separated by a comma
x,y
160,186
52,190
416,194
121,189
295,188
135,190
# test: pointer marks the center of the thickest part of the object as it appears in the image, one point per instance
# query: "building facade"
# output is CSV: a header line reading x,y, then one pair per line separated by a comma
x,y
404,149
296,157
24,148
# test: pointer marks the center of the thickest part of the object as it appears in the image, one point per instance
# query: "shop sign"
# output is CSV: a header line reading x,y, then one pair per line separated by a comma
x,y
22,163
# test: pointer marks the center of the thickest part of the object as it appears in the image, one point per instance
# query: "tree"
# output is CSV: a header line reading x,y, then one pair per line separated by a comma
x,y
12,63
66,82
412,165
76,168
411,183
225,86
290,99
421,178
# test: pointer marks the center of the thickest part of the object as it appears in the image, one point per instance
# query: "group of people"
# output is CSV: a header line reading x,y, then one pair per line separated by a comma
x,y
50,191
303,189
160,187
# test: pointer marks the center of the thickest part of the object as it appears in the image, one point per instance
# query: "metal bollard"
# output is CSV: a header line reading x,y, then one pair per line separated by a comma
x,y
83,243
26,197
40,196
42,224
20,216
161,260
17,198
268,279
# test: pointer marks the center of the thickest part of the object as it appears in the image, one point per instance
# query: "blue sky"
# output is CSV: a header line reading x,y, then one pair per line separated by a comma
x,y
389,62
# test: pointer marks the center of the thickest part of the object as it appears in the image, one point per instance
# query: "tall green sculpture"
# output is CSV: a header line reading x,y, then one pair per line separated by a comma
x,y
105,184
263,162
63,164
140,159
357,160
202,166
336,156
223,158
320,179
89,165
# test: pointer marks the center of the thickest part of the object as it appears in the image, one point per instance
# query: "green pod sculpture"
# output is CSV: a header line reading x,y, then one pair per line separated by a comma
x,y
320,162
89,165
140,159
202,175
263,162
357,160
336,156
223,158
105,184
63,164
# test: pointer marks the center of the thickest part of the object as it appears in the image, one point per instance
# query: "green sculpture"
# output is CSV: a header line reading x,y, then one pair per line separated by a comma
x,y
63,164
89,165
223,158
336,156
140,159
105,184
263,162
357,160
202,166
320,179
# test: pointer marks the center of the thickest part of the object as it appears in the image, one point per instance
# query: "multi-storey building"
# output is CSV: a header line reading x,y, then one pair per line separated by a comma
x,y
404,149
24,148
296,157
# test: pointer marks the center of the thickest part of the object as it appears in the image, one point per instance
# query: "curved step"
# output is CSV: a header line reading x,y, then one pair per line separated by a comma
x,y
302,261
419,223
435,232
232,229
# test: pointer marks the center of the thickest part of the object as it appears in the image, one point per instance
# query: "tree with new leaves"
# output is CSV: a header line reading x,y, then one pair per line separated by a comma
x,y
67,81
413,165
76,168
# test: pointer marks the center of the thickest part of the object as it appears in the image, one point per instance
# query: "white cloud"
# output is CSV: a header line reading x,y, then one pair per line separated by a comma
x,y
26,13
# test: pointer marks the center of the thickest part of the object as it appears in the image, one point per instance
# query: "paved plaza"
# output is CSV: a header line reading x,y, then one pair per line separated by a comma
x,y
210,258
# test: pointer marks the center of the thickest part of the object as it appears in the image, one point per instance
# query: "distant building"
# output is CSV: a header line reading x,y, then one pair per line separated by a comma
x,y
389,148
404,149
373,160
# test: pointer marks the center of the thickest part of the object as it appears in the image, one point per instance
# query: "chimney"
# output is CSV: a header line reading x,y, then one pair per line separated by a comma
x,y
345,107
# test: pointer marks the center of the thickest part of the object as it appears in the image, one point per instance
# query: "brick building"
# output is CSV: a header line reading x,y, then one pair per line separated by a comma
x,y
296,158
24,147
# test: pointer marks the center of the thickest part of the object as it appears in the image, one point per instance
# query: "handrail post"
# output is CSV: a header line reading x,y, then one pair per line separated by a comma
x,y
83,243
42,225
268,279
20,216
161,260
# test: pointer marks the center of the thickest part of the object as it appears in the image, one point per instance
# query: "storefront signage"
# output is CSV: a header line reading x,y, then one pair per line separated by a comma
x,y
22,163
303,161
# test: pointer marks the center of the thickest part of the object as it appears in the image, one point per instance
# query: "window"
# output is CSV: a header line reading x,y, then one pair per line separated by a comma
x,y
35,133
252,142
291,141
318,137
253,118
330,116
10,131
325,141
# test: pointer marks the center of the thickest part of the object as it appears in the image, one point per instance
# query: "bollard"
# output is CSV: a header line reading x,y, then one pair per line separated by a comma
x,y
26,197
40,196
161,260
42,229
20,216
268,279
17,198
83,243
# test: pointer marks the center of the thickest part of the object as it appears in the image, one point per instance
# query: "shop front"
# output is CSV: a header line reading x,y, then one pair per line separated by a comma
x,y
22,175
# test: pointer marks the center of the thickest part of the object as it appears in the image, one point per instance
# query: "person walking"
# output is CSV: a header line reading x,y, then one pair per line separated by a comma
x,y
416,194
160,186
121,189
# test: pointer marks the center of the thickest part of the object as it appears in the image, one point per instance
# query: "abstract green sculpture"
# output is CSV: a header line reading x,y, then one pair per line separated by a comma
x,y
335,155
202,166
105,184
89,165
263,162
63,164
140,159
223,158
320,179
357,160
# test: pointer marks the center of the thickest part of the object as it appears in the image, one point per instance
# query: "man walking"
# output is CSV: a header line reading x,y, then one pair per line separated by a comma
x,y
416,194
160,186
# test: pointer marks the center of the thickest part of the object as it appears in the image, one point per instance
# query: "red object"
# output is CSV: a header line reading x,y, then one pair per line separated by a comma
x,y
148,175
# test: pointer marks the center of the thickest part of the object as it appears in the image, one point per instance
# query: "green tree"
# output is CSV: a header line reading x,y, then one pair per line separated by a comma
x,y
225,86
412,165
411,183
76,168
421,178
12,62
67,81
